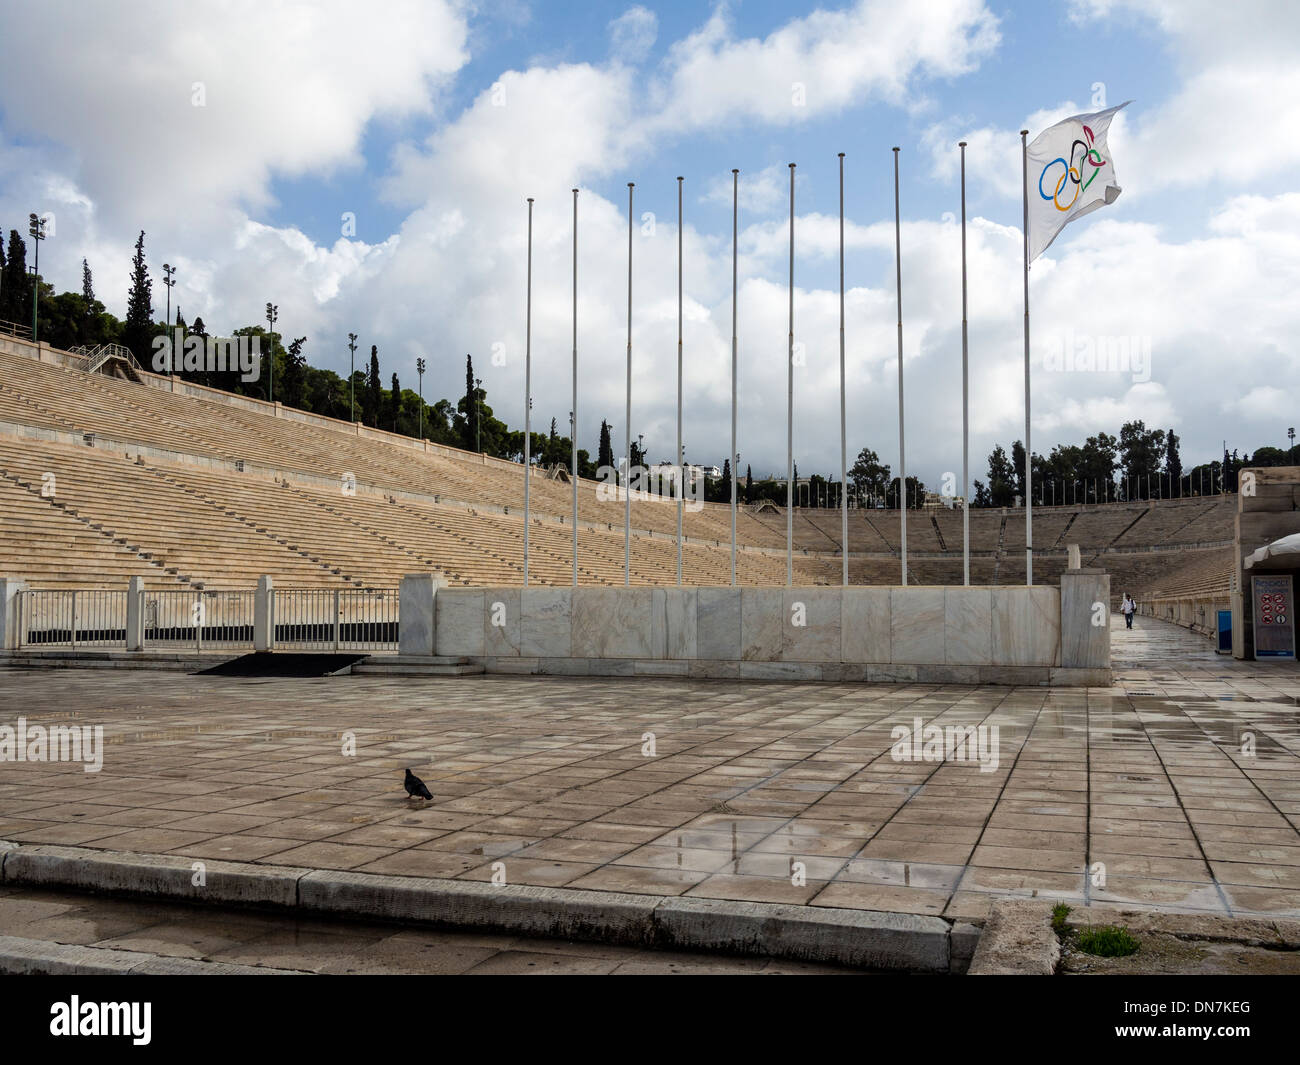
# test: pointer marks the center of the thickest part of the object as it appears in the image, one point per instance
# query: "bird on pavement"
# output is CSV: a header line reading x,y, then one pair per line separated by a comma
x,y
416,788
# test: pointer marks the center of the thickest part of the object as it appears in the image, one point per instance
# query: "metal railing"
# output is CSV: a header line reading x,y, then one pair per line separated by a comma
x,y
302,619
335,619
198,619
96,356
76,618
16,329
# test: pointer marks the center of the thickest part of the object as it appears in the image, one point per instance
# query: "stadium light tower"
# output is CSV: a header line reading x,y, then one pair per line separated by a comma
x,y
352,406
419,372
272,313
169,279
1290,435
36,228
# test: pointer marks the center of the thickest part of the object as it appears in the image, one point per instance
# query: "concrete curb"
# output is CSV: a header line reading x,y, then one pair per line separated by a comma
x,y
154,875
37,957
859,938
1018,940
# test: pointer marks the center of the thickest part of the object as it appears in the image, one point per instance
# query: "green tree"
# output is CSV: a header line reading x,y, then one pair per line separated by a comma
x,y
139,328
17,292
295,375
1141,452
374,391
869,476
1002,479
1174,461
605,452
471,410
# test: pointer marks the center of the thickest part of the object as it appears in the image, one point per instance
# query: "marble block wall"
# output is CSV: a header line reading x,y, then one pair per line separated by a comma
x,y
916,626
1085,618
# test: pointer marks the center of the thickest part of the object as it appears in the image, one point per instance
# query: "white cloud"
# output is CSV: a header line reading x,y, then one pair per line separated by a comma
x,y
1218,310
1236,115
633,34
1263,403
823,62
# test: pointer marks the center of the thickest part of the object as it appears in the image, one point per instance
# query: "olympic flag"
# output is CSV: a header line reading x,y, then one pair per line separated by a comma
x,y
1070,174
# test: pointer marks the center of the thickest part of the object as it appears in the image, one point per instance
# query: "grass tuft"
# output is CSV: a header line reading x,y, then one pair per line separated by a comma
x,y
1106,942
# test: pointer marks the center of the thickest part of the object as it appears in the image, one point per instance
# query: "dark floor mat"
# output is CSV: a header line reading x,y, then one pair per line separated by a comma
x,y
282,664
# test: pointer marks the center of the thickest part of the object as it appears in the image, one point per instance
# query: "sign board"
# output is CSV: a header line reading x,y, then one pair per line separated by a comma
x,y
1274,600
1225,632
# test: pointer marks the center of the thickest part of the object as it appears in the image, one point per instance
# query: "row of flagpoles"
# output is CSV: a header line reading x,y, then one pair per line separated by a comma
x,y
1063,168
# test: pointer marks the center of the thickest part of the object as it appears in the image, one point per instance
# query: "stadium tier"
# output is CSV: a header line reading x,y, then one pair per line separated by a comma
x,y
188,486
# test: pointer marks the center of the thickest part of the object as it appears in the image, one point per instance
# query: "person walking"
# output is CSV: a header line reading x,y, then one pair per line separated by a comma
x,y
1128,608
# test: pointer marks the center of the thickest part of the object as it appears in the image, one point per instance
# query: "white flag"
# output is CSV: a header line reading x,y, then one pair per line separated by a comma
x,y
1070,175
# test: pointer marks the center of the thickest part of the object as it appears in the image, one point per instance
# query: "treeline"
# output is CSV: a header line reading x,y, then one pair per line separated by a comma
x,y
75,319
1139,464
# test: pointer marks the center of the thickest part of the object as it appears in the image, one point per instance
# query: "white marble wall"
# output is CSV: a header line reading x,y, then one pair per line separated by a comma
x,y
950,628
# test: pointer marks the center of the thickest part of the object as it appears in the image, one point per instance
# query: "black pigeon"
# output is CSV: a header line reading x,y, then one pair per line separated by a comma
x,y
416,788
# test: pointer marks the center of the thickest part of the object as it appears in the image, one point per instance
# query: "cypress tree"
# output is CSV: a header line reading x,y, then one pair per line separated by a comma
x,y
138,331
374,391
605,450
17,305
472,405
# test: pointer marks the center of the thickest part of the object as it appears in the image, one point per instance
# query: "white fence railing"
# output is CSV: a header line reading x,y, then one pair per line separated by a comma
x,y
335,619
299,619
84,618
202,620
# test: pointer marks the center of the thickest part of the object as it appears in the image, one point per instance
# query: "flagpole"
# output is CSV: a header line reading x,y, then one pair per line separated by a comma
x,y
902,449
627,466
679,381
965,391
844,506
1029,451
573,427
735,459
789,412
528,382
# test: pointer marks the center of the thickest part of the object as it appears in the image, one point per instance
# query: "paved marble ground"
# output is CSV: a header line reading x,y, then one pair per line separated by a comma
x,y
1147,793
277,941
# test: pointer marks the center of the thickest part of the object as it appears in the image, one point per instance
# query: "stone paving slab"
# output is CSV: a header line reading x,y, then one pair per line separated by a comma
x,y
1176,789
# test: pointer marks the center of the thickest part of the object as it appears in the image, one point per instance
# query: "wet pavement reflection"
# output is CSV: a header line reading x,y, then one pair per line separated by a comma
x,y
1178,788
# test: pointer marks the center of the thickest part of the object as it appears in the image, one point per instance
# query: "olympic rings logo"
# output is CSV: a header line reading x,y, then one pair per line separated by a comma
x,y
1082,155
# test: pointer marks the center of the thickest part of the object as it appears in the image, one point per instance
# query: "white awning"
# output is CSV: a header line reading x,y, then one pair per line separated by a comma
x,y
1288,545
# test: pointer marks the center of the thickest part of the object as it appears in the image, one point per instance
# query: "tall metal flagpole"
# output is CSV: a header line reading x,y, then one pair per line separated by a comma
x,y
573,427
679,380
844,505
965,391
627,466
528,382
789,412
902,448
735,459
1029,451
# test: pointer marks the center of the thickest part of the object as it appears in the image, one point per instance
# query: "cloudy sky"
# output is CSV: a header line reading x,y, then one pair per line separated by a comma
x,y
367,167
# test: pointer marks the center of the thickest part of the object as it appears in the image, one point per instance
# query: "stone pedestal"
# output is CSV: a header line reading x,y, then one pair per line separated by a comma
x,y
9,620
416,629
264,615
134,614
1085,619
